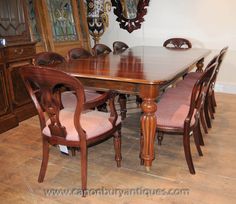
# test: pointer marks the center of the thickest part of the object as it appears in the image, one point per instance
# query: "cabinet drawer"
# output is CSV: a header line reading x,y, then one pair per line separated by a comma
x,y
13,53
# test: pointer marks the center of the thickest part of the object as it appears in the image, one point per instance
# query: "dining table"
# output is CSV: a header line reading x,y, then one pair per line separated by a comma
x,y
142,71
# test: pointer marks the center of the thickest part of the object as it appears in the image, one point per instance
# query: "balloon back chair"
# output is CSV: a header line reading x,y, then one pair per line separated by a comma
x,y
212,92
101,49
210,104
76,127
177,43
119,47
78,53
48,58
51,59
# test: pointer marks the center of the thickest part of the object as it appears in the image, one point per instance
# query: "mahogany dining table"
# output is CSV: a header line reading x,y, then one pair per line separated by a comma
x,y
141,70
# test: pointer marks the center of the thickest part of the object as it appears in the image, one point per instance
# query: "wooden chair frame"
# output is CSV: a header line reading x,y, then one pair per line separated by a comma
x,y
49,82
177,43
119,47
78,53
47,59
101,49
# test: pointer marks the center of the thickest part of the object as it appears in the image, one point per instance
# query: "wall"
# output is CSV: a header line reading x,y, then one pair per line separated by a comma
x,y
206,23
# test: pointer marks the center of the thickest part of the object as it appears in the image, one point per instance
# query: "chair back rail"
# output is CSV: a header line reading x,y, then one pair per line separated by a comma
x,y
48,82
48,58
199,92
177,43
78,53
220,59
100,49
119,47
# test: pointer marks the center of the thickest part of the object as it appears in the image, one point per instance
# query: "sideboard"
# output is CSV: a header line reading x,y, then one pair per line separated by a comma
x,y
15,103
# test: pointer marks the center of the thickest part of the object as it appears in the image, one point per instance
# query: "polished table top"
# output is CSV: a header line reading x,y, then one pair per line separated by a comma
x,y
142,64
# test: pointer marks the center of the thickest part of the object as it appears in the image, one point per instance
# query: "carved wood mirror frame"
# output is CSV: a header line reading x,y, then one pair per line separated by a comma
x,y
130,24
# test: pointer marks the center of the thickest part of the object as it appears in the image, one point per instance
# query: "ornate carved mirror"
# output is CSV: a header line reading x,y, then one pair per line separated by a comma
x,y
130,13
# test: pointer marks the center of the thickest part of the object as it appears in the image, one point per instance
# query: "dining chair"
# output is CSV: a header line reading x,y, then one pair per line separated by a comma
x,y
101,49
187,84
210,102
180,115
177,43
78,53
119,47
47,59
79,127
211,93
81,53
52,59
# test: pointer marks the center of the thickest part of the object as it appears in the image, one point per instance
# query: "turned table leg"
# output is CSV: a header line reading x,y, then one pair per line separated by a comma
x,y
148,124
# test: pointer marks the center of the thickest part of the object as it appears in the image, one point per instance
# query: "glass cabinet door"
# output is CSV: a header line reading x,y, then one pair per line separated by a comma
x,y
62,19
58,25
34,28
13,24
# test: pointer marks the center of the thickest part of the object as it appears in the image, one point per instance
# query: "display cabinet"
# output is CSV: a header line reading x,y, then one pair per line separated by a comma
x,y
31,26
7,117
16,104
58,25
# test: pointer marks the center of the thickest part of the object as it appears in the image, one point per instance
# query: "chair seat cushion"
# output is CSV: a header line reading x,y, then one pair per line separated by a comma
x,y
69,99
189,80
180,94
193,75
93,122
172,113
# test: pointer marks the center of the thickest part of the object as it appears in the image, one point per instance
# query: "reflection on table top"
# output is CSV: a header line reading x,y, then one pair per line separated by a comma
x,y
142,64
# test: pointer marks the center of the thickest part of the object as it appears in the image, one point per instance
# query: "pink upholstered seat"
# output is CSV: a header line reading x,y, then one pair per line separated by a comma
x,y
91,95
193,75
69,100
186,83
93,122
177,93
172,113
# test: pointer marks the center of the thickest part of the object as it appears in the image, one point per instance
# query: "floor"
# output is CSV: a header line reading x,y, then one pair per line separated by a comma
x,y
168,181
